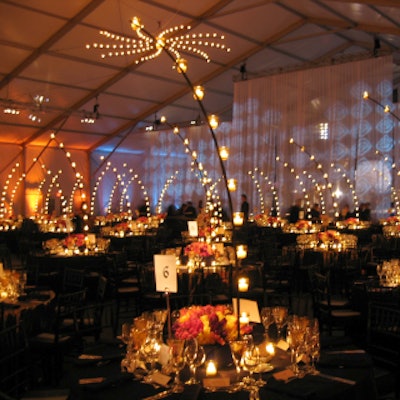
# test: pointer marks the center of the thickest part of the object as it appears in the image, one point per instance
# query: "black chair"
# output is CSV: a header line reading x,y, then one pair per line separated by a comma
x,y
278,283
334,313
383,339
91,315
124,286
72,279
53,332
5,256
149,298
15,374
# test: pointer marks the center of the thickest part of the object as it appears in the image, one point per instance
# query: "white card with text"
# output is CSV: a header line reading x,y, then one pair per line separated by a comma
x,y
165,273
193,228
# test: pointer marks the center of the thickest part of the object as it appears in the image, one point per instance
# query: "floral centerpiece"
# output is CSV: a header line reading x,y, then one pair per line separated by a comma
x,y
392,220
209,324
75,241
391,231
267,220
198,249
329,236
352,223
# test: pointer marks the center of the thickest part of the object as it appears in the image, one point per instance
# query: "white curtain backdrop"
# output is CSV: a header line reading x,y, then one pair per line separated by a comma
x,y
342,143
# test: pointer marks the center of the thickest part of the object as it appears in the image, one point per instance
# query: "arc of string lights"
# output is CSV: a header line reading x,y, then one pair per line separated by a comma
x,y
258,187
164,190
275,196
3,208
100,178
213,203
319,167
124,197
350,183
78,176
56,183
313,180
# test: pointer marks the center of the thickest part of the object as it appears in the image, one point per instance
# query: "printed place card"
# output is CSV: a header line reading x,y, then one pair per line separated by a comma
x,y
165,273
216,382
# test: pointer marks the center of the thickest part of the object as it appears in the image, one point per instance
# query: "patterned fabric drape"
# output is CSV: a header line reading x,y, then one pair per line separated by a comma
x,y
338,138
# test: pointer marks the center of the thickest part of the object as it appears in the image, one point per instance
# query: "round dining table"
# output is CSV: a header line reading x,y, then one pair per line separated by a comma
x,y
31,299
344,372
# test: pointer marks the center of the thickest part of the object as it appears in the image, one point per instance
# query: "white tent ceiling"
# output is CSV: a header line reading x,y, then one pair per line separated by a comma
x,y
43,52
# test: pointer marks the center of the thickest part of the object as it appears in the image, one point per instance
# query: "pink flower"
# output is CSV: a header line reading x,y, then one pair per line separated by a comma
x,y
201,249
209,324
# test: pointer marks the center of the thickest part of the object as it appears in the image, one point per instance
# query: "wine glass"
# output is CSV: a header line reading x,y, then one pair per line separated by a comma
x,y
379,271
176,348
151,350
267,319
126,332
295,339
237,348
22,283
280,315
251,359
313,345
194,355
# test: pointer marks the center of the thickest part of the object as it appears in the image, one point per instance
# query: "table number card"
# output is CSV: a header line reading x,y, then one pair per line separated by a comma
x,y
165,273
193,228
249,307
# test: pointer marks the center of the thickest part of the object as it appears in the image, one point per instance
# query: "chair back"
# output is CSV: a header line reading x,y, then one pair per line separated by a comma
x,y
383,334
15,371
73,279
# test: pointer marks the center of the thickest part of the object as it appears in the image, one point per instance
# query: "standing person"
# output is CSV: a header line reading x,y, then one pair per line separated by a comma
x,y
295,212
244,207
365,212
345,213
392,210
315,213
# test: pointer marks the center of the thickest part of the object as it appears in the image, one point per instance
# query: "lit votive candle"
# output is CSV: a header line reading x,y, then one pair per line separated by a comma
x,y
270,348
243,285
244,319
241,252
211,369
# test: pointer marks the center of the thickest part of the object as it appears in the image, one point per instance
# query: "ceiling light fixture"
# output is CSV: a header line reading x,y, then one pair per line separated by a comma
x,y
11,110
147,47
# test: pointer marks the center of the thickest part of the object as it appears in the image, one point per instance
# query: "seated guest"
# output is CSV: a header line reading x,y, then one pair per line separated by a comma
x,y
345,213
190,211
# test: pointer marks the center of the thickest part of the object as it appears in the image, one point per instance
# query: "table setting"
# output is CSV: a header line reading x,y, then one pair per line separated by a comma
x,y
280,358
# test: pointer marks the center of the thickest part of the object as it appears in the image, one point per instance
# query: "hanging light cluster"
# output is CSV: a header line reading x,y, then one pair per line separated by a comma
x,y
147,47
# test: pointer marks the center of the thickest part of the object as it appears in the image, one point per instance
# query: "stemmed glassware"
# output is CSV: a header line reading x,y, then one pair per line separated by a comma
x,y
280,315
176,348
194,356
379,271
295,339
251,359
237,348
151,349
267,319
313,345
126,332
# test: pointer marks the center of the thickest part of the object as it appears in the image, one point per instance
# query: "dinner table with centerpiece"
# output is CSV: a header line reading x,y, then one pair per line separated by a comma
x,y
204,357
